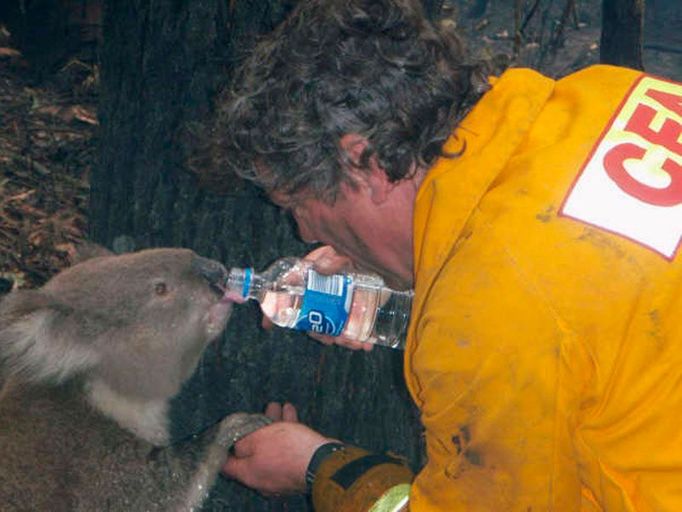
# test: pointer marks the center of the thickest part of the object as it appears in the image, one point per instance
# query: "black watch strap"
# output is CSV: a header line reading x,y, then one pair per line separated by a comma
x,y
320,454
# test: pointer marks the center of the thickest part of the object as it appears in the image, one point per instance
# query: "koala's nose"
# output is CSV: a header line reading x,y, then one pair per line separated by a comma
x,y
213,271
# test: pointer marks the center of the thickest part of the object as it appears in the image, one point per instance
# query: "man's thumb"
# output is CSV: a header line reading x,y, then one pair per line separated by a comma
x,y
233,467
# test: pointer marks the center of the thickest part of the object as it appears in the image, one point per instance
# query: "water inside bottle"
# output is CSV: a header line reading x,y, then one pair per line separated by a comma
x,y
283,305
362,314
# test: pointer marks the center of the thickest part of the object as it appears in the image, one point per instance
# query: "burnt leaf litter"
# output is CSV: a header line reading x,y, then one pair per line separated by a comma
x,y
48,145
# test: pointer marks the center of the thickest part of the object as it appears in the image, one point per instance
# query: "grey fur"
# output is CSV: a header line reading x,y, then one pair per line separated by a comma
x,y
88,364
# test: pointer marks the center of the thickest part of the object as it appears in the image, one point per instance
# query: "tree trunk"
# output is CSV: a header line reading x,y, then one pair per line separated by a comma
x,y
621,36
161,64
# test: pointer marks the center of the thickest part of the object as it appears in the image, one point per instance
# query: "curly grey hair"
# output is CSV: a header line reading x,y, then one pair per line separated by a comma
x,y
376,68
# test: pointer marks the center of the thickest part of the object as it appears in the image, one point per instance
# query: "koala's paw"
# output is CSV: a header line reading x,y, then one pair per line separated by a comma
x,y
235,426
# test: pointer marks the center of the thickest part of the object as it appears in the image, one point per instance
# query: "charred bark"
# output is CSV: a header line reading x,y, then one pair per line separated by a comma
x,y
622,31
161,64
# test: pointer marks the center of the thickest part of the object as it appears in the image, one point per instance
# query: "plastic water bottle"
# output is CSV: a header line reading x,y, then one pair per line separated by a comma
x,y
357,306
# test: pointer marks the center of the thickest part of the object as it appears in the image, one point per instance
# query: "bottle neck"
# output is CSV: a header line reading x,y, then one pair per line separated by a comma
x,y
245,282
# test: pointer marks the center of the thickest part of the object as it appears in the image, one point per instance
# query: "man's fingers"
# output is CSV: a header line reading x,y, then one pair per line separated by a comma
x,y
327,261
357,345
289,413
239,469
242,449
232,466
266,323
274,411
341,341
322,338
281,412
321,253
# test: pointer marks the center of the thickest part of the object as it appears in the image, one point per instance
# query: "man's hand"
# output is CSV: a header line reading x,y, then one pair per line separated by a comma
x,y
273,460
327,261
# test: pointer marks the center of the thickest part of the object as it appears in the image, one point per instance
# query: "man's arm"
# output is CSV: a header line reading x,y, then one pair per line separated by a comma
x,y
351,479
288,457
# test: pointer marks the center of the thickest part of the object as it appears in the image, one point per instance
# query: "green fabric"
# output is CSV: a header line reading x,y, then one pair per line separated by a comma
x,y
393,499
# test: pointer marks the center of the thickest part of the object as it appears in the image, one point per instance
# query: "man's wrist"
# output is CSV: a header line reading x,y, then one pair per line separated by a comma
x,y
321,453
355,480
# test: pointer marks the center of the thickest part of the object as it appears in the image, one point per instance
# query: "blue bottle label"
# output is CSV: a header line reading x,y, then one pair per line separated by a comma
x,y
326,304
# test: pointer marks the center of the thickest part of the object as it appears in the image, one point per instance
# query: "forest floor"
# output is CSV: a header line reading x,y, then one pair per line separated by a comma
x,y
48,145
557,40
48,130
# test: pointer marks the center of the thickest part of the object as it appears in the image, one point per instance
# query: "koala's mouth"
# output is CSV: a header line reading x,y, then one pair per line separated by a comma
x,y
216,275
218,290
213,271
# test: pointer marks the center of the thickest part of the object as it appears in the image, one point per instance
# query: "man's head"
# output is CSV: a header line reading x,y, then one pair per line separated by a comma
x,y
375,68
341,90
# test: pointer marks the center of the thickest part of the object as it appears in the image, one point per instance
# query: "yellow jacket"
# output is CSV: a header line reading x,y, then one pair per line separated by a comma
x,y
545,351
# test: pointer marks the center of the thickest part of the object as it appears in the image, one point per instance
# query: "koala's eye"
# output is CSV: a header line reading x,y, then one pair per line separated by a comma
x,y
160,288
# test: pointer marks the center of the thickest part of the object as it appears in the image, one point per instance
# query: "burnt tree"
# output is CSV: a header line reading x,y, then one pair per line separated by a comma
x,y
622,32
162,62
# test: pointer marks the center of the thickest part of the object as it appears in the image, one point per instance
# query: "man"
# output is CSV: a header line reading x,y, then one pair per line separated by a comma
x,y
538,221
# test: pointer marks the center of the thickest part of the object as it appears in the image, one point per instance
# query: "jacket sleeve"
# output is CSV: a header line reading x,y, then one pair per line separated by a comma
x,y
354,480
492,368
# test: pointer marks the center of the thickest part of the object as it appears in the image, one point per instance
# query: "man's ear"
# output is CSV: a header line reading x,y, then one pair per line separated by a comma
x,y
352,146
371,175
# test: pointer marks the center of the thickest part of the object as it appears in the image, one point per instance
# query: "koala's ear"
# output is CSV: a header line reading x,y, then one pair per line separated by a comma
x,y
31,346
87,250
21,303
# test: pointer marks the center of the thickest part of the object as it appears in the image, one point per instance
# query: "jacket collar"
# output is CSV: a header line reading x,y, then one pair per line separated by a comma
x,y
487,138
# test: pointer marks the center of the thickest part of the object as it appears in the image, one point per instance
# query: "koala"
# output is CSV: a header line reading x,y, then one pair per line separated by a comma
x,y
88,365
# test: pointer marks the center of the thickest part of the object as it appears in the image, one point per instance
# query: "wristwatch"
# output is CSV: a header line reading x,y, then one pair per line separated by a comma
x,y
320,454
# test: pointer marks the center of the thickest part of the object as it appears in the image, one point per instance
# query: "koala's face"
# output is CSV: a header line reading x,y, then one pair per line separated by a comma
x,y
148,315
